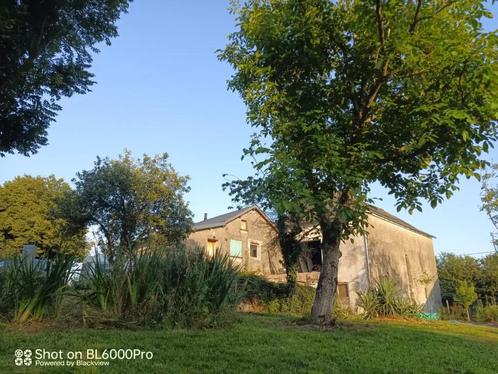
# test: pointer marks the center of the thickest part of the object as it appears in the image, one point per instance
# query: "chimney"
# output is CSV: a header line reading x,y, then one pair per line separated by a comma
x,y
205,216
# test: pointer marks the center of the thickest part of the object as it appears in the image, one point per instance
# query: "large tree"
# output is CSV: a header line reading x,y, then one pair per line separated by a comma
x,y
130,204
26,205
45,53
347,93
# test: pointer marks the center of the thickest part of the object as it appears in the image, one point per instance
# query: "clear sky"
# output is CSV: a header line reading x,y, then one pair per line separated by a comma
x,y
160,88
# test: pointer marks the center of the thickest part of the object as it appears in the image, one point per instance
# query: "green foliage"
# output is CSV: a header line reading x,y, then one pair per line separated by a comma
x,y
370,304
176,287
487,313
482,273
282,298
454,312
257,287
344,94
487,286
25,218
452,270
45,53
133,204
298,303
349,93
386,300
465,294
33,290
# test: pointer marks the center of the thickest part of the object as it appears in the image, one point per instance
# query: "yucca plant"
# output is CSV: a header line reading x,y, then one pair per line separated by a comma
x,y
369,302
388,295
385,299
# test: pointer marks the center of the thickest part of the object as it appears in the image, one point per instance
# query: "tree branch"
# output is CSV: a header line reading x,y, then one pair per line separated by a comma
x,y
445,6
380,21
415,18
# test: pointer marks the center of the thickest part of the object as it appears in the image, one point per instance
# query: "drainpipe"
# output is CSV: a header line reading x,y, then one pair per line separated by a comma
x,y
367,259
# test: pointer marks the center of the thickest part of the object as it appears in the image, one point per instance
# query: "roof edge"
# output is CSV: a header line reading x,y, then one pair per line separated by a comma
x,y
406,226
241,213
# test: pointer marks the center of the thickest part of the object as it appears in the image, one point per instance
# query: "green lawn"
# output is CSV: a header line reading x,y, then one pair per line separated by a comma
x,y
264,344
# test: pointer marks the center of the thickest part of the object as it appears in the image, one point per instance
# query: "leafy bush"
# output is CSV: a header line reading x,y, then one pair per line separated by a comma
x,y
466,295
487,313
32,290
385,299
257,287
299,302
261,295
455,312
177,287
482,273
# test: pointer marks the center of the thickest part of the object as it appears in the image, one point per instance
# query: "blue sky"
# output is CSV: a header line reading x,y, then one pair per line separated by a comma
x,y
160,88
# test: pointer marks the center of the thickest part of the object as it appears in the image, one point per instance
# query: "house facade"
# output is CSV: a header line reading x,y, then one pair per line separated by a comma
x,y
392,248
247,235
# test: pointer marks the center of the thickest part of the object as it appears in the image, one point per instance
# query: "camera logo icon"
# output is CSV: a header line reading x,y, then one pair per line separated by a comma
x,y
23,357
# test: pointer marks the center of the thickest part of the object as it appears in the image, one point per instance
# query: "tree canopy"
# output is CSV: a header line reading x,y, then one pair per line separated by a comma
x,y
45,53
347,93
130,204
26,205
482,273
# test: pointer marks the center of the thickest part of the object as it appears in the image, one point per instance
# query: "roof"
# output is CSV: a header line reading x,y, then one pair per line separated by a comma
x,y
222,220
381,213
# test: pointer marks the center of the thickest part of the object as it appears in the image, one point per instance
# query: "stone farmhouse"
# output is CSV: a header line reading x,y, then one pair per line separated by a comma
x,y
392,248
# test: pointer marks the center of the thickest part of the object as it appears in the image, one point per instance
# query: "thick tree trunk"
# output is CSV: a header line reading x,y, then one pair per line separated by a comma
x,y
327,284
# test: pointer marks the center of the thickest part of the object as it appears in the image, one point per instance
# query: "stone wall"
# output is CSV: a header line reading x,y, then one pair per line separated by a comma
x,y
406,256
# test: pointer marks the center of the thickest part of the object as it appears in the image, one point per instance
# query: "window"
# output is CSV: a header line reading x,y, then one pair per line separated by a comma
x,y
254,250
212,246
243,225
235,248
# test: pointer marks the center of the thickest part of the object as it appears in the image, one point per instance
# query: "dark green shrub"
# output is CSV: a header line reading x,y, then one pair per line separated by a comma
x,y
32,290
386,300
261,295
257,287
455,312
487,313
298,303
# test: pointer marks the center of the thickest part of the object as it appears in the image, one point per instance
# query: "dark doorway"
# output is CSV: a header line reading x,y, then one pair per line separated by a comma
x,y
311,257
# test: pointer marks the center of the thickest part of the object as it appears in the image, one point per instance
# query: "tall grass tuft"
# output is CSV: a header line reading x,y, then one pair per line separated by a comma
x,y
177,287
33,290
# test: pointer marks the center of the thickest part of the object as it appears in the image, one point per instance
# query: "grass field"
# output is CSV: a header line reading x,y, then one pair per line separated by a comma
x,y
262,344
